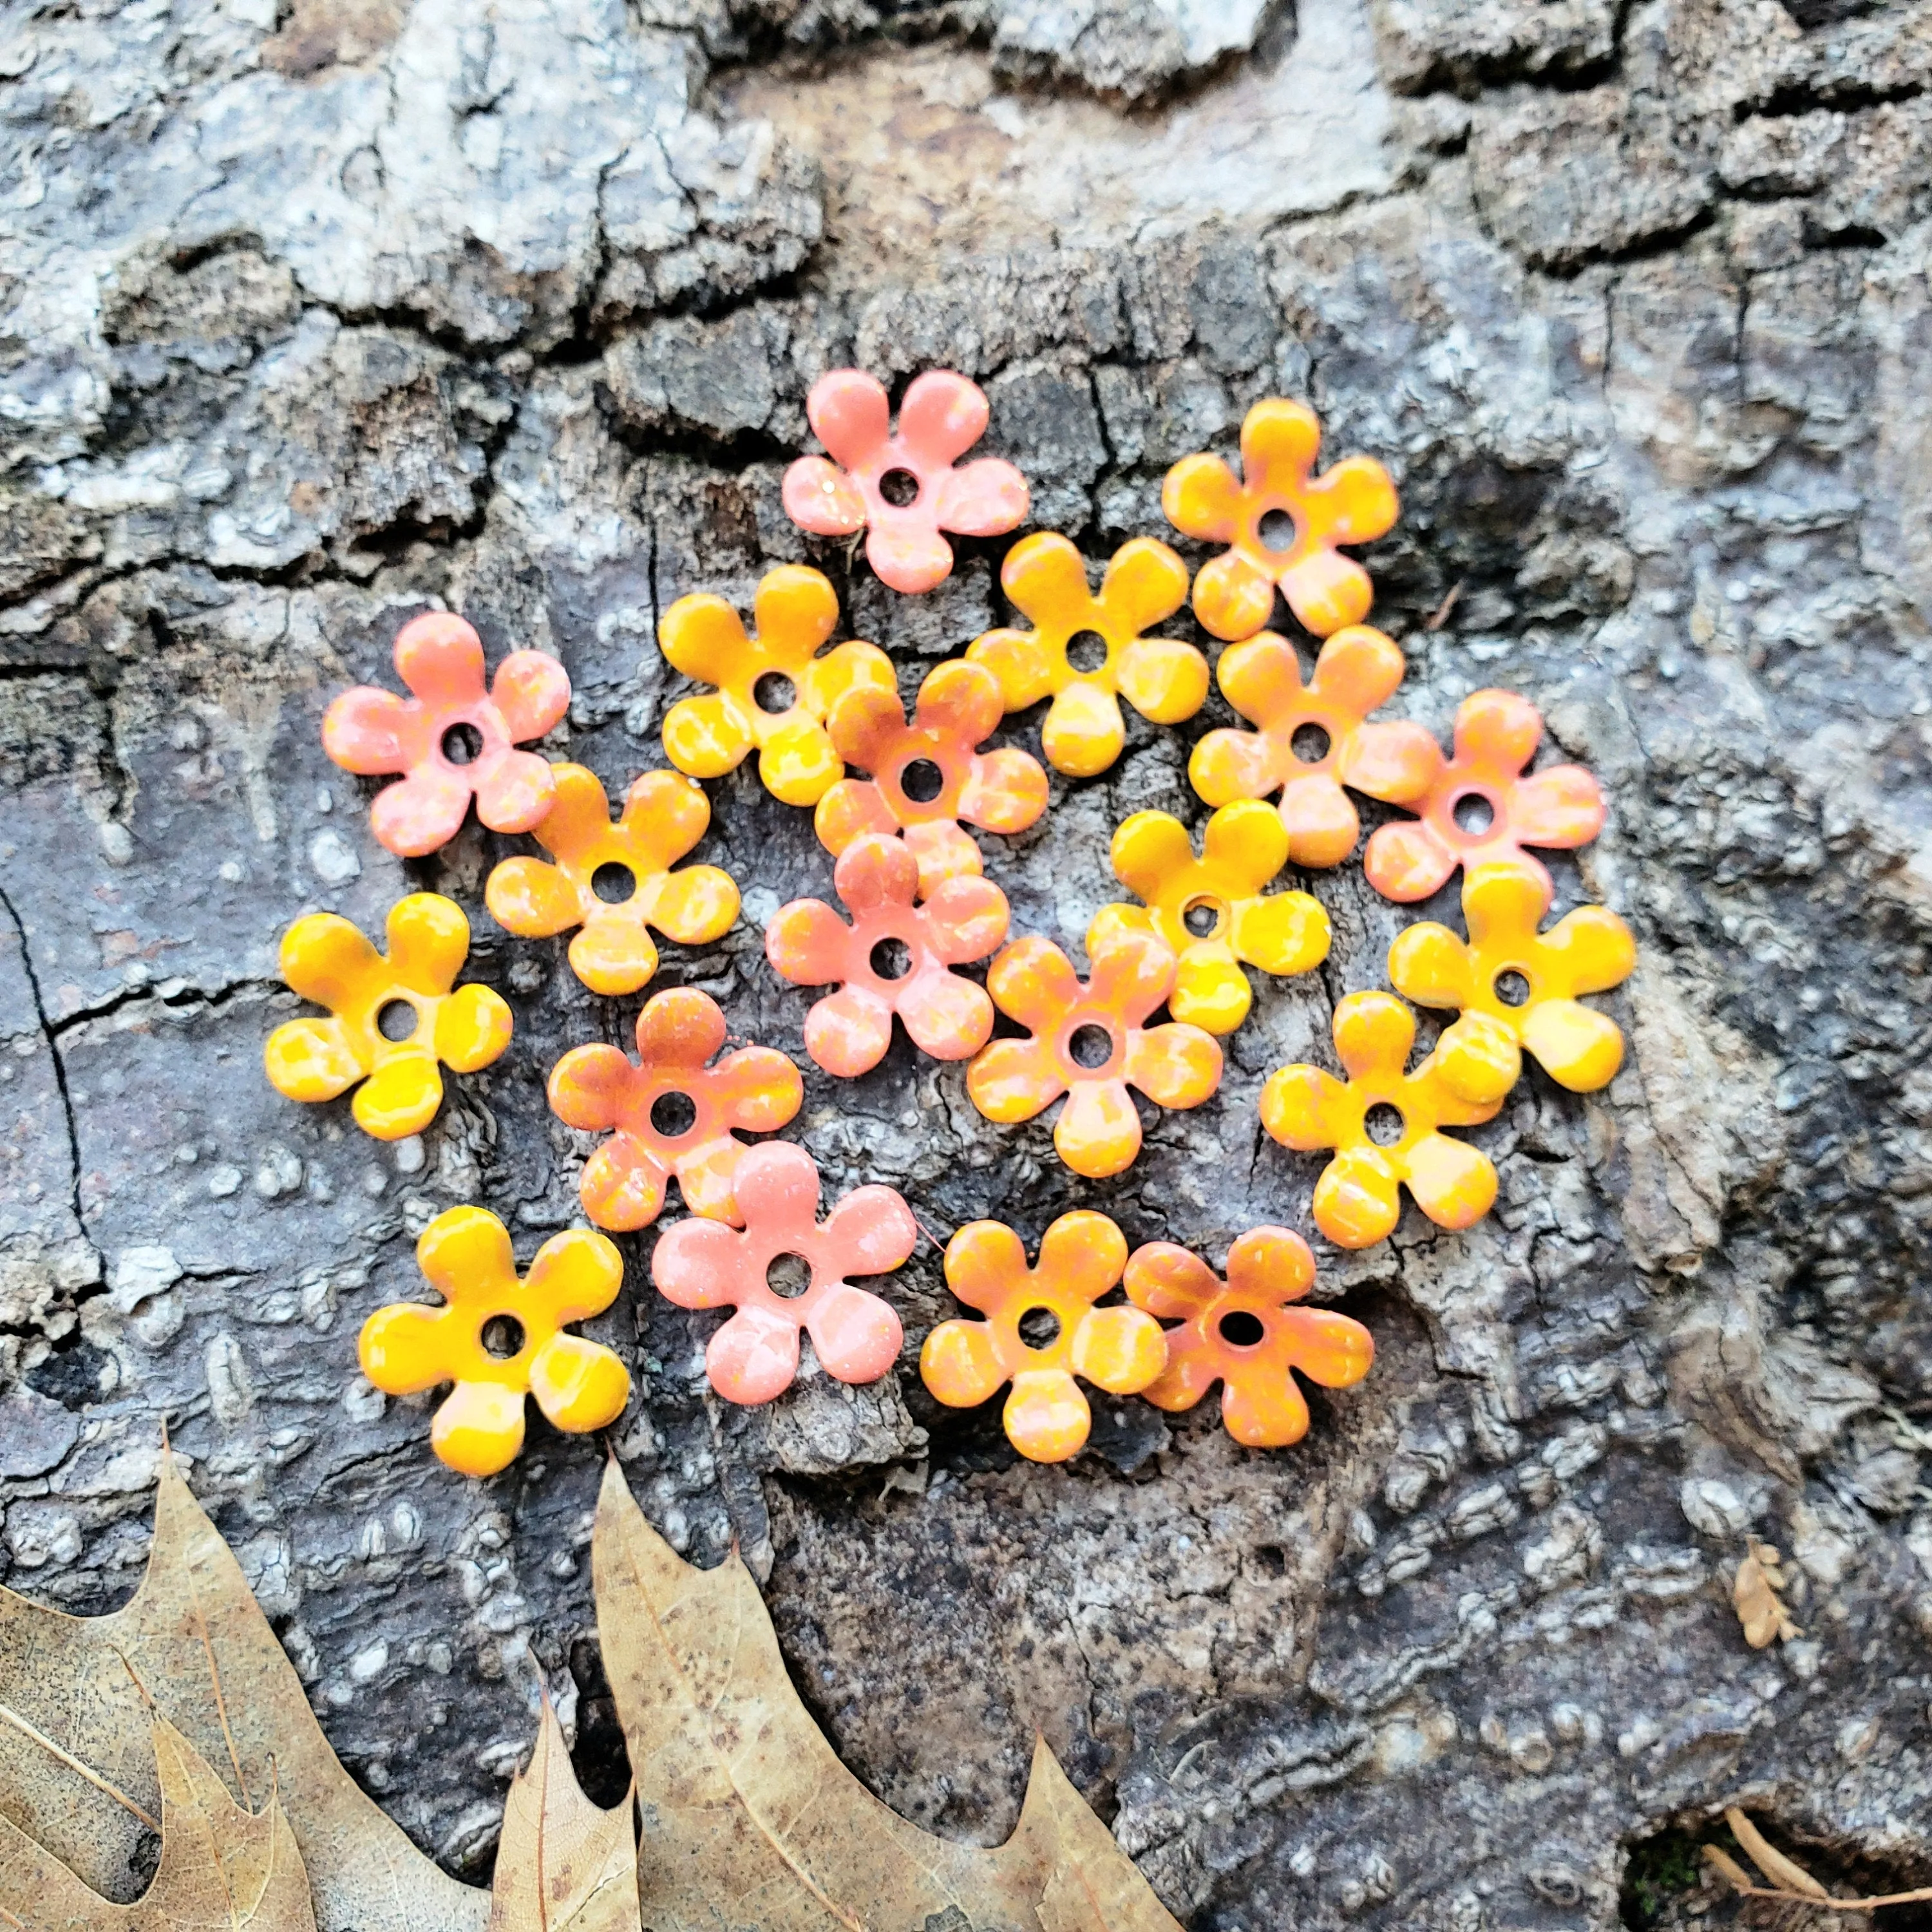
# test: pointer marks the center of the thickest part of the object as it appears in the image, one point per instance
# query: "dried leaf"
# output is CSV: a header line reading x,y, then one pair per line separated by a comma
x,y
1755,1596
1785,1873
1727,1867
563,1864
749,1818
197,1640
221,1866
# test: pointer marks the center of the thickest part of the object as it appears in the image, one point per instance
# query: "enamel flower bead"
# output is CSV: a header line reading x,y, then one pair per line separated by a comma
x,y
855,1333
499,1339
1164,680
1281,525
452,739
664,816
1089,1043
1311,740
670,1112
929,775
1212,912
902,489
1517,987
773,690
1247,1333
1486,805
894,958
1120,1350
393,1021
1356,1200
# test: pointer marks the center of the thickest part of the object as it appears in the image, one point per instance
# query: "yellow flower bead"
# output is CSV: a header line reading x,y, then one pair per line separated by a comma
x,y
1587,951
1164,680
1357,1202
664,816
702,637
1211,911
326,960
465,1255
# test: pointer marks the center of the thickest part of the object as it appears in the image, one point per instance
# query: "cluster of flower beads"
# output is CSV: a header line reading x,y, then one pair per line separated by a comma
x,y
893,798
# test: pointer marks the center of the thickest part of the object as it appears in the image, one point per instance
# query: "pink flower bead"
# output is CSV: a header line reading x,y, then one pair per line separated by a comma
x,y
947,1016
753,1357
943,416
373,732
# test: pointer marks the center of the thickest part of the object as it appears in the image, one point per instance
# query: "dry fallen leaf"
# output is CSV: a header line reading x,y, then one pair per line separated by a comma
x,y
749,1818
1757,1595
562,1865
221,1866
77,1772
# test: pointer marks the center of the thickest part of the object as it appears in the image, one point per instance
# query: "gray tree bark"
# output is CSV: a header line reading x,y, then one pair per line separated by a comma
x,y
317,315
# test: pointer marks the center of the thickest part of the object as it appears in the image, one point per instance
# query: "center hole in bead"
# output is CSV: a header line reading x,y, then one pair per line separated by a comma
x,y
900,488
1512,987
1384,1124
1091,1046
1310,743
1087,651
397,1020
1241,1328
891,958
503,1336
1473,813
462,744
774,693
1039,1328
673,1114
1203,917
614,882
1276,530
922,780
789,1276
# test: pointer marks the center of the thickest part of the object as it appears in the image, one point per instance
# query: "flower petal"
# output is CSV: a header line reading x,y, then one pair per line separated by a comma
x,y
1578,1048
1429,965
850,414
579,1385
623,1185
1175,1065
1013,1080
1227,765
847,1032
1358,670
1083,733
796,610
1245,846
876,874
695,1264
1327,591
965,919
1144,584
575,1274
1478,1060
809,944
1130,973
405,1348
908,554
1361,500
1232,597
943,415
589,1086
1261,677
465,1255
311,1060
1211,991
707,1173
1081,1254
1374,1036
1356,1202
946,1016
1098,1130
696,905
472,1027
797,763
867,724
1046,578
871,1230
1453,1184
1397,762
1270,1262
1562,807
702,636
856,1336
1303,1108
370,731
959,1363
1021,663
400,1098
942,850
440,658
429,940
1497,729
1593,947
981,498
532,691
708,736
849,810
479,1428
777,1182
1148,849
420,814
1407,861
820,497
1201,498
1046,1416
1033,982
753,1357
1284,934
680,1027
1170,1281
532,899
1164,680
1279,440
1320,820
1263,1408
1328,1347
759,1088
326,960
664,815
1120,1350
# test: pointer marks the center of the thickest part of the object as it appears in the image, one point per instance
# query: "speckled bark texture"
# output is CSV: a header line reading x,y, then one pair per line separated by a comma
x,y
318,314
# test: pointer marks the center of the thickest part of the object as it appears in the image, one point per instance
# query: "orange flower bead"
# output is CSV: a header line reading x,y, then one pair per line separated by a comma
x,y
1246,1334
1120,1350
579,1385
1353,503
664,816
1163,679
773,690
326,960
598,1089
1356,1200
1004,791
1098,1131
373,732
1587,951
1396,761
1488,783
